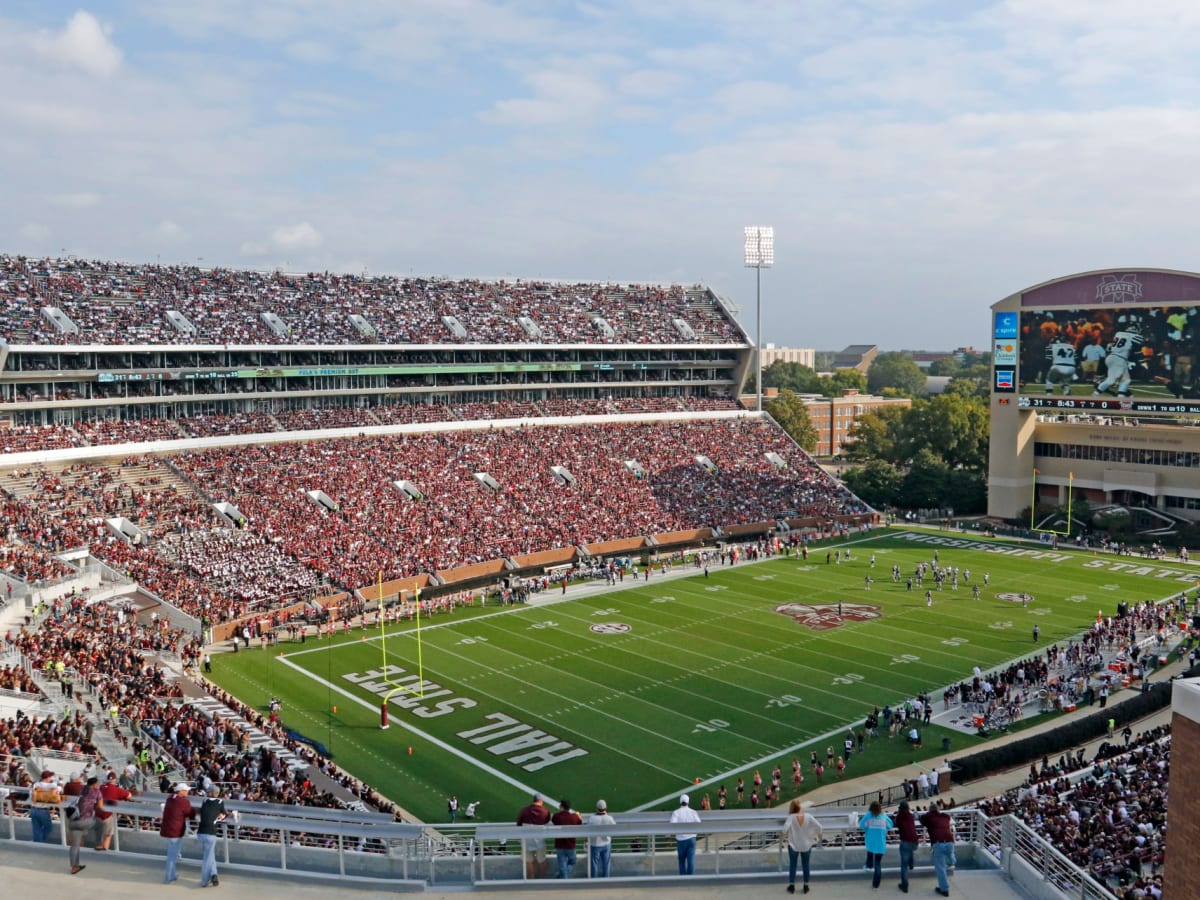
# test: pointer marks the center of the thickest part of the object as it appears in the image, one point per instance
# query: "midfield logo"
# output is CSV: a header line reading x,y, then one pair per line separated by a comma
x,y
824,616
1014,598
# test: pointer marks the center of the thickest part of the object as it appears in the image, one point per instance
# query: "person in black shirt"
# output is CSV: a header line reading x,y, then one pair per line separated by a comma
x,y
212,811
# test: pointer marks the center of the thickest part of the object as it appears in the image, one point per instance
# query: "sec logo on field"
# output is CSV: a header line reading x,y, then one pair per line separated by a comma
x,y
610,628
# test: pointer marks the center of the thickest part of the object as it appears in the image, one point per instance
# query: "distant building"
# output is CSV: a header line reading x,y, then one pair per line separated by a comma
x,y
924,358
833,417
856,356
806,356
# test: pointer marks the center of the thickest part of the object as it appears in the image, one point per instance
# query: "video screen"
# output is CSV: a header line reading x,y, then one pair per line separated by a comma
x,y
1123,354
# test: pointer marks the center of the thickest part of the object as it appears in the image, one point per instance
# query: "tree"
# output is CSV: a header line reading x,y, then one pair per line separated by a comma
x,y
968,386
873,435
965,492
896,370
792,415
792,377
877,482
946,365
924,484
844,380
955,425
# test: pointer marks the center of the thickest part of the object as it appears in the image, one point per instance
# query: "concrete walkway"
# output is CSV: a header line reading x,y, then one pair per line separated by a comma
x,y
32,870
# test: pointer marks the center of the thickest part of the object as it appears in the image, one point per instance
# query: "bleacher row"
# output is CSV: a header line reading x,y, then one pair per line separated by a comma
x,y
117,303
288,541
99,432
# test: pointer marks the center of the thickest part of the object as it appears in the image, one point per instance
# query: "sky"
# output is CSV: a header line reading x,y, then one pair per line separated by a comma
x,y
918,159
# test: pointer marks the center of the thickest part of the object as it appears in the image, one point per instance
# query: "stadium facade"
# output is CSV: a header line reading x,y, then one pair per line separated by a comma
x,y
1096,394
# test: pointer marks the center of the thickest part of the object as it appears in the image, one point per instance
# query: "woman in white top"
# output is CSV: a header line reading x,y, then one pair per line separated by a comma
x,y
801,831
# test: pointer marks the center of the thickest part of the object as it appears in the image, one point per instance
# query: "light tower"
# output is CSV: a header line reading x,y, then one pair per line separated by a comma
x,y
760,254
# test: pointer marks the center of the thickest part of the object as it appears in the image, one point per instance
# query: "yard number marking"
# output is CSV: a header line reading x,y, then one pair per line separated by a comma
x,y
781,702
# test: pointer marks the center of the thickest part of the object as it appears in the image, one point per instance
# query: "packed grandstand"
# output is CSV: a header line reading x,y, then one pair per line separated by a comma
x,y
617,427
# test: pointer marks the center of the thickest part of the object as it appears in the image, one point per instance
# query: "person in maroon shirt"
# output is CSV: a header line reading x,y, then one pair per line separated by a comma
x,y
941,836
906,824
564,847
113,794
74,787
534,814
176,813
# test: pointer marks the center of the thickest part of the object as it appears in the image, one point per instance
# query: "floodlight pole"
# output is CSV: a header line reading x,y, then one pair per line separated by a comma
x,y
758,334
759,253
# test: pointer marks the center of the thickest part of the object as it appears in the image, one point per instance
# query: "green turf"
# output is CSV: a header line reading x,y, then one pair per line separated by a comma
x,y
708,682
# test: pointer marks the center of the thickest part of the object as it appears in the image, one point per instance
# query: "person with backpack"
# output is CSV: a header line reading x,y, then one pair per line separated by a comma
x,y
82,819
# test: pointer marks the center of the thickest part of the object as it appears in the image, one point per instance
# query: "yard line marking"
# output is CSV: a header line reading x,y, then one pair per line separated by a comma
x,y
506,673
438,742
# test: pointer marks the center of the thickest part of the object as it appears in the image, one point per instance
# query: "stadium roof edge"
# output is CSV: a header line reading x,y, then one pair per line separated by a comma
x,y
1091,272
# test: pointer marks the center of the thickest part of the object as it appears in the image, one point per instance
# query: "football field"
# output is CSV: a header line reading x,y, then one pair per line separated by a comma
x,y
637,693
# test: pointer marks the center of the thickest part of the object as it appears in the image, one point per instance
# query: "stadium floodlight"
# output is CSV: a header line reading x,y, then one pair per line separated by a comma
x,y
760,254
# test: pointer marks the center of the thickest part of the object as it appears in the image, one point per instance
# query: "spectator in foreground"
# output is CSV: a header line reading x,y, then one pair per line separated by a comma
x,y
176,813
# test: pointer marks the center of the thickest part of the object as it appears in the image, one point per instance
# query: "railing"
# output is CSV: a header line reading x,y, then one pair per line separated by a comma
x,y
369,848
1031,858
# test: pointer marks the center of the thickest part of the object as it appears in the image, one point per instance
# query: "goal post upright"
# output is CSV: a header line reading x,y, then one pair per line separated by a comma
x,y
1033,506
419,689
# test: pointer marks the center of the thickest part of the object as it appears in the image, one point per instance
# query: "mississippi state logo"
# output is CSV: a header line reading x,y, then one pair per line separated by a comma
x,y
823,616
1014,598
610,628
1118,289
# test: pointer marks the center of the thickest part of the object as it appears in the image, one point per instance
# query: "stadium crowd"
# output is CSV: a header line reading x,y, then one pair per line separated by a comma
x,y
1110,822
113,654
117,303
287,543
461,520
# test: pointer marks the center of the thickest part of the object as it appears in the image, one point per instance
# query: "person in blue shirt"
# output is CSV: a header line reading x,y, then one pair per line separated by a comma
x,y
875,827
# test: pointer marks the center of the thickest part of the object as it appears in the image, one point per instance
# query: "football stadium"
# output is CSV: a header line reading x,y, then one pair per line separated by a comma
x,y
376,560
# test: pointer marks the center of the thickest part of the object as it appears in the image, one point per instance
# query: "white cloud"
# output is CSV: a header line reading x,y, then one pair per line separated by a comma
x,y
169,231
301,236
563,94
311,51
34,231
78,200
83,43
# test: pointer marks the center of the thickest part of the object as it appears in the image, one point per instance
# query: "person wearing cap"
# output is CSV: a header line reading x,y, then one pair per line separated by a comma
x,y
113,794
45,796
601,844
212,811
564,847
535,850
86,815
685,843
801,831
906,824
175,815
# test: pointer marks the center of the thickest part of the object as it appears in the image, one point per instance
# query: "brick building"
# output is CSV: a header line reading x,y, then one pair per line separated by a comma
x,y
833,417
